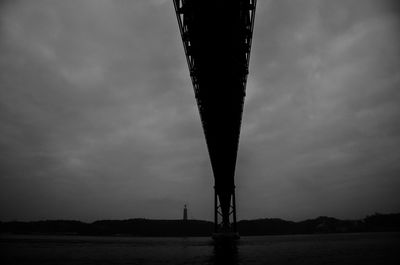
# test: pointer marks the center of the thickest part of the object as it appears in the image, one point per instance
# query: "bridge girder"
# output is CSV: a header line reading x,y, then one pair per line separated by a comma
x,y
217,38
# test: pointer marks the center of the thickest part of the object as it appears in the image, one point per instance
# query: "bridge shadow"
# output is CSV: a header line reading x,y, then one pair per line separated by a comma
x,y
224,253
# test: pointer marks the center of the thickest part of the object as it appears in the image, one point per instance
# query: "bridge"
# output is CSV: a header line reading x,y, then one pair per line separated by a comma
x,y
217,38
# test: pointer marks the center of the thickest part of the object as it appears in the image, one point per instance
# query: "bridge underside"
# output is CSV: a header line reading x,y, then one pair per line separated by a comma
x,y
217,40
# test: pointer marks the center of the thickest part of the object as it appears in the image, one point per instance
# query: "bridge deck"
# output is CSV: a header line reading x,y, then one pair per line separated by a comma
x,y
217,40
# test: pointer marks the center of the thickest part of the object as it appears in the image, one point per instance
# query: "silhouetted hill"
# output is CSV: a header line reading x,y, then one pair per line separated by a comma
x,y
267,226
130,227
146,227
322,224
165,228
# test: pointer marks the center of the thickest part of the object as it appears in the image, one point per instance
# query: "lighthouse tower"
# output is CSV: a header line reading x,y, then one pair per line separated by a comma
x,y
185,213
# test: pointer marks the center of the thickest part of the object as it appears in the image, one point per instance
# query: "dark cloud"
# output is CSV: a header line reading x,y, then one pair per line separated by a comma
x,y
98,117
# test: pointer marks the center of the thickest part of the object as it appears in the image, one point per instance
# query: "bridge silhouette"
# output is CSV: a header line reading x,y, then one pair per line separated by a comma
x,y
217,38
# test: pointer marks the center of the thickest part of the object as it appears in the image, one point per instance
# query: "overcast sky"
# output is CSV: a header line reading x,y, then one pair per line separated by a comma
x,y
98,118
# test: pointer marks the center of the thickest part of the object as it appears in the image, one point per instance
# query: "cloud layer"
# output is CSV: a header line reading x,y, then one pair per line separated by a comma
x,y
98,117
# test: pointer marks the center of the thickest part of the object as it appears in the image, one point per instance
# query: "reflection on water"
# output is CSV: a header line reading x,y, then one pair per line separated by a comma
x,y
225,252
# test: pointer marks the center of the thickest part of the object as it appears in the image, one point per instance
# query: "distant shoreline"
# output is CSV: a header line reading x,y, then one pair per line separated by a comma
x,y
178,228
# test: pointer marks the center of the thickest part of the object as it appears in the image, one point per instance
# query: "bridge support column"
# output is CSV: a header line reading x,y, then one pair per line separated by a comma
x,y
225,226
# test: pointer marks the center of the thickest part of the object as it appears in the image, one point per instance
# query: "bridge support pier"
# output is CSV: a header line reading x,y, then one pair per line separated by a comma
x,y
225,226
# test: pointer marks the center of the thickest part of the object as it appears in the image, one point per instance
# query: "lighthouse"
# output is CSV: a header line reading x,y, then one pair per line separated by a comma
x,y
185,213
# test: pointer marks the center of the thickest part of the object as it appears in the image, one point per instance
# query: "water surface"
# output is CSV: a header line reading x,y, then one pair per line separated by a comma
x,y
367,248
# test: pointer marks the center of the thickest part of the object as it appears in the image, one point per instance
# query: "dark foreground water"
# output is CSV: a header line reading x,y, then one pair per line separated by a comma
x,y
371,248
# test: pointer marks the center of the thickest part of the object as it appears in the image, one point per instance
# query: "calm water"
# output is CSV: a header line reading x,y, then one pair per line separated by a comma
x,y
371,248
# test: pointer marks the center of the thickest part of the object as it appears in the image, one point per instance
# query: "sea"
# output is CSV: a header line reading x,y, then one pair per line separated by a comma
x,y
362,248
